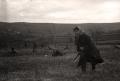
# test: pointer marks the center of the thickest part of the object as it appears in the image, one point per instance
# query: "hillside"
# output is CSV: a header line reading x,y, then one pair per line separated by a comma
x,y
55,27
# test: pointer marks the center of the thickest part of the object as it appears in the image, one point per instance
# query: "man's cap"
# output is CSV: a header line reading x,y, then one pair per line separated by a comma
x,y
76,28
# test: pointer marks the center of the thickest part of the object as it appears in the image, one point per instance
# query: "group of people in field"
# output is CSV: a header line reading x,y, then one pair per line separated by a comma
x,y
13,52
86,50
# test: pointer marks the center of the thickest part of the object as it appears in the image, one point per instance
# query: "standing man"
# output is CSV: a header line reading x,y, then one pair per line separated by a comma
x,y
34,47
13,52
86,49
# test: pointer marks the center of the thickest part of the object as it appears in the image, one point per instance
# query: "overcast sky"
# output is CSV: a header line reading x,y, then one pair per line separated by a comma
x,y
60,11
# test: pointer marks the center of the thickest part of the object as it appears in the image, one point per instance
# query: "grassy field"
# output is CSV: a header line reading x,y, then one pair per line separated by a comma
x,y
27,67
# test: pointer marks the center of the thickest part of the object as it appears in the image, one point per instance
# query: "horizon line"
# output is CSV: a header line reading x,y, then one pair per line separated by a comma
x,y
59,22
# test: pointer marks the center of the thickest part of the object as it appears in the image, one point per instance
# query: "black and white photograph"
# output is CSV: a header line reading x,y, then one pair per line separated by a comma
x,y
59,40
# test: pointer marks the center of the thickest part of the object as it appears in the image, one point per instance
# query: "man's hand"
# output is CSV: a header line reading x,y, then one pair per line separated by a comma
x,y
81,48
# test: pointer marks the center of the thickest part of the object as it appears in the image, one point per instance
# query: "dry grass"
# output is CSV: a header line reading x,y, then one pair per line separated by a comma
x,y
62,68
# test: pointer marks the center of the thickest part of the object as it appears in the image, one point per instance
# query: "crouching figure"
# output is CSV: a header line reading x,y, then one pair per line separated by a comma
x,y
87,50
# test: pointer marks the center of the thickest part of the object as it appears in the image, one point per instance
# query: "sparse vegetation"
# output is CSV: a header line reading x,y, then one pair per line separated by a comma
x,y
61,68
42,66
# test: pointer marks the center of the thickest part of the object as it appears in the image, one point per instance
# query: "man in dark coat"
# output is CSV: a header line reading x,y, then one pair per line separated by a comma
x,y
13,52
86,49
34,47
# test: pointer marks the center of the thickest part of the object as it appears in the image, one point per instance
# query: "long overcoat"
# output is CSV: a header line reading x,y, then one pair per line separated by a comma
x,y
90,52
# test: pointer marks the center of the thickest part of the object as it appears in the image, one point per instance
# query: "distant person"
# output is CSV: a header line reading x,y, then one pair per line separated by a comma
x,y
34,47
86,49
13,52
25,44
